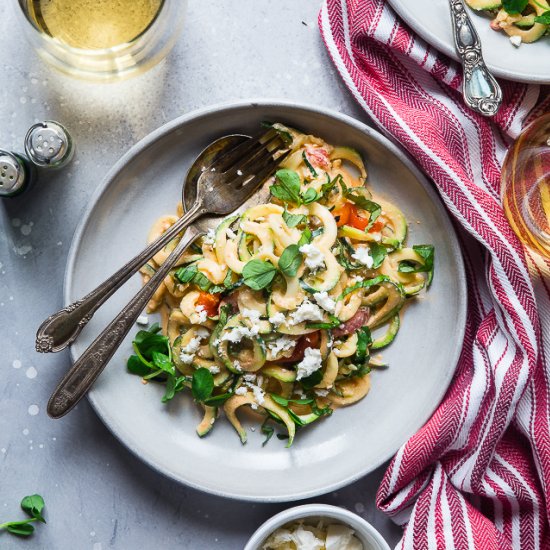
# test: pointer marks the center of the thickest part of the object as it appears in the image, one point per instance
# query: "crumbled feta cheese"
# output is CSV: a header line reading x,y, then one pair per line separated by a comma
x,y
259,394
314,258
210,237
251,314
202,332
362,255
241,390
311,362
201,312
516,41
230,233
214,369
306,312
253,406
325,301
237,365
188,352
277,319
249,377
239,172
236,334
321,393
341,537
284,343
142,320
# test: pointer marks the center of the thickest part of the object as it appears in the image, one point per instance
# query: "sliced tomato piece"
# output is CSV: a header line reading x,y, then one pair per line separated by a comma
x,y
356,220
343,214
209,302
377,226
307,341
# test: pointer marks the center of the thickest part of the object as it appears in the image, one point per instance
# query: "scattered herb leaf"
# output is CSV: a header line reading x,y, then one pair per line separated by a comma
x,y
290,260
258,274
202,385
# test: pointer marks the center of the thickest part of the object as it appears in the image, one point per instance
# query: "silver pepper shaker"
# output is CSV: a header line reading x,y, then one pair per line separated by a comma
x,y
17,174
49,145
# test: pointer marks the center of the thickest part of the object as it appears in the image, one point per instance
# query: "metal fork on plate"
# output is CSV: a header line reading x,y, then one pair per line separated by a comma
x,y
220,190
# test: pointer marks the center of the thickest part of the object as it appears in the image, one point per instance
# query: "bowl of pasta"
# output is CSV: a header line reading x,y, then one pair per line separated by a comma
x,y
305,337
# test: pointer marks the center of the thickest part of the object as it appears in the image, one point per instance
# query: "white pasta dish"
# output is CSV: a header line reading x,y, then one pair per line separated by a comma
x,y
324,535
281,309
522,20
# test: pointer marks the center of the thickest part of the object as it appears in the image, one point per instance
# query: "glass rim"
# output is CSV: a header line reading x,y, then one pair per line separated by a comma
x,y
95,52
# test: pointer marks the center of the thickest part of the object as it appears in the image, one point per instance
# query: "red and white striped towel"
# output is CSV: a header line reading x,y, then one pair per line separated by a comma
x,y
477,475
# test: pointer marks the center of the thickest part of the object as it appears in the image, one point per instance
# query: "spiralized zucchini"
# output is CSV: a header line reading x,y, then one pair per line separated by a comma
x,y
525,21
274,310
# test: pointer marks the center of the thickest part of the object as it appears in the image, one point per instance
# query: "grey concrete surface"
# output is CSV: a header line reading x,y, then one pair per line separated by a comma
x,y
98,495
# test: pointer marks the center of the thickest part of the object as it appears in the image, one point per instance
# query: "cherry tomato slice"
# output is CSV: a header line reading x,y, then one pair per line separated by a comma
x,y
357,221
343,214
209,302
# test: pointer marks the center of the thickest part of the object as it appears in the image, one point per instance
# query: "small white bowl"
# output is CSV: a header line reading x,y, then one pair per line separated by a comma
x,y
364,531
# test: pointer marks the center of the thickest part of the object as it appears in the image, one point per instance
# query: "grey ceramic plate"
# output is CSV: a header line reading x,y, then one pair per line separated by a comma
x,y
145,184
431,20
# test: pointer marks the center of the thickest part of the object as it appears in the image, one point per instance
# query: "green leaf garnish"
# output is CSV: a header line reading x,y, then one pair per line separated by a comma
x,y
309,165
364,284
287,186
378,253
514,7
312,380
202,384
427,253
292,220
543,18
191,274
306,237
268,431
310,196
290,260
364,340
258,274
33,506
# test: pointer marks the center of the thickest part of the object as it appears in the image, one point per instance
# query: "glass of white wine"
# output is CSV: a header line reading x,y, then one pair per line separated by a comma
x,y
526,186
102,39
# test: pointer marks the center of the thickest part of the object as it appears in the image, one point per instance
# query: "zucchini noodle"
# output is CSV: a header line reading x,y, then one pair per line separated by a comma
x,y
528,25
274,309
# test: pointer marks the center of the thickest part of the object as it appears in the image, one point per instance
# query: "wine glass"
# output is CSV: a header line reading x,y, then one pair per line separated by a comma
x,y
525,186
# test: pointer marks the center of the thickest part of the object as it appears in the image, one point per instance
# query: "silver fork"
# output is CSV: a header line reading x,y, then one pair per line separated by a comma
x,y
62,328
219,192
481,91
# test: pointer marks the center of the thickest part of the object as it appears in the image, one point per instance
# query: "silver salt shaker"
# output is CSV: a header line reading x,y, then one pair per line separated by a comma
x,y
49,145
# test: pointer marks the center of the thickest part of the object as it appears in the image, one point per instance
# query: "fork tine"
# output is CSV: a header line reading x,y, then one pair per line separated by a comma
x,y
249,181
244,150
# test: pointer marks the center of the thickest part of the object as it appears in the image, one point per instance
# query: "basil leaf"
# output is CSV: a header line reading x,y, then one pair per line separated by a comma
x,y
364,340
309,165
290,260
268,431
287,186
543,18
306,237
174,384
191,274
202,384
163,362
514,7
136,366
292,220
378,253
312,380
427,253
33,506
326,188
258,274
365,284
310,196
20,528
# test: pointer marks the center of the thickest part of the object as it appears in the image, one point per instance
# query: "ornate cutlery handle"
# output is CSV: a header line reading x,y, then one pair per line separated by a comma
x,y
481,91
62,328
90,364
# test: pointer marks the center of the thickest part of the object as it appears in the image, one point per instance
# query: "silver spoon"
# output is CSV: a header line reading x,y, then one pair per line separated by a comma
x,y
62,328
481,91
221,190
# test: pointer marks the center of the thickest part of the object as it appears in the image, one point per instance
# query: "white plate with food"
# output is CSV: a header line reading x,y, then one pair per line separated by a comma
x,y
497,29
282,322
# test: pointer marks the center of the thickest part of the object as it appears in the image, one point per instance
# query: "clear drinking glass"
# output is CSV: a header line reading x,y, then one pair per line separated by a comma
x,y
102,39
525,187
